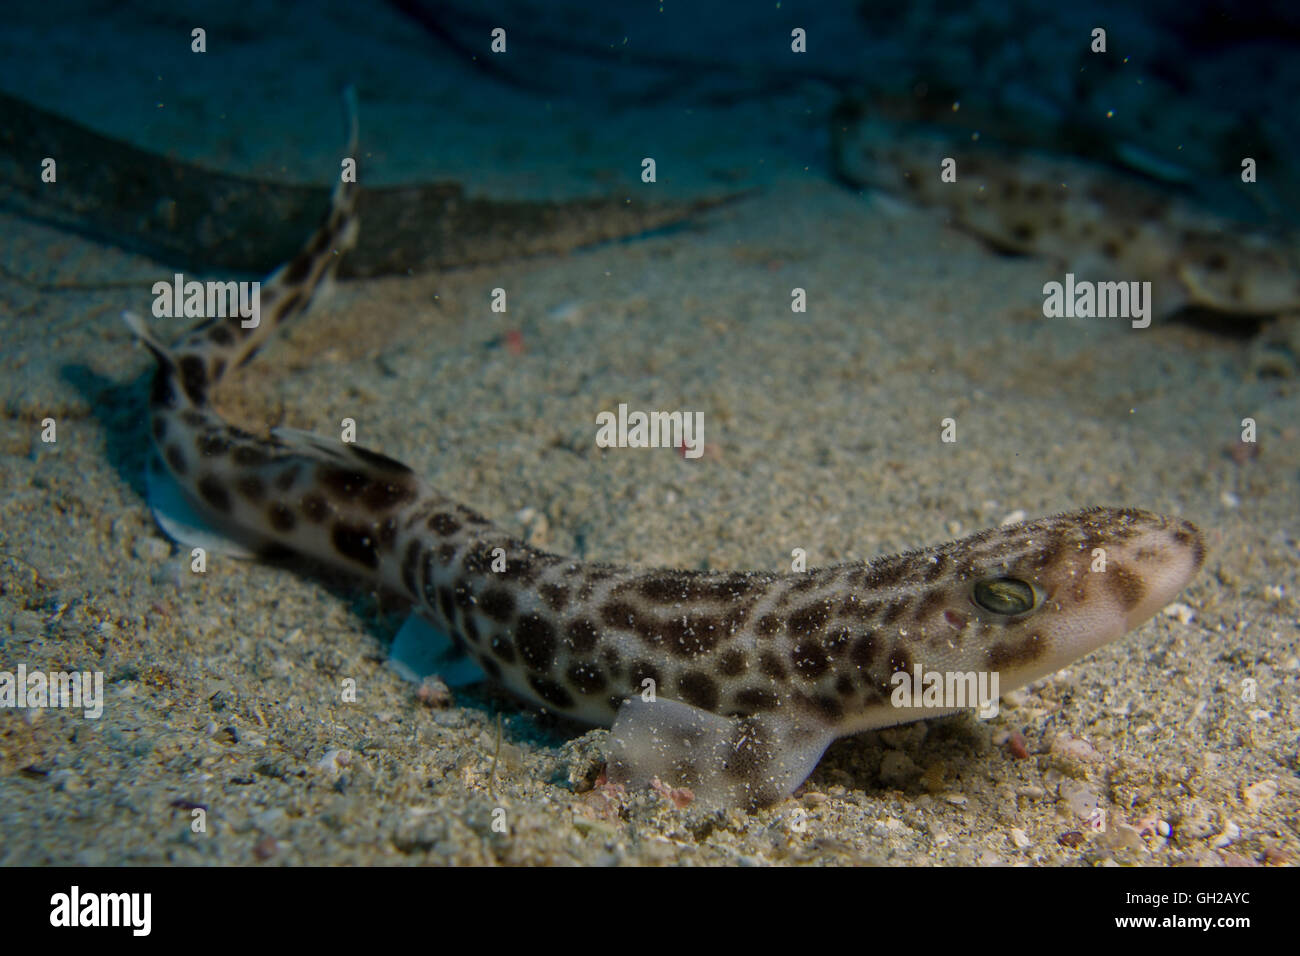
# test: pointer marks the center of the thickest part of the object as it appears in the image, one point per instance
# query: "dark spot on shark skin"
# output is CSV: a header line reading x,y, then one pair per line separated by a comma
x,y
698,689
809,659
900,662
346,484
894,611
642,671
585,677
176,459
613,662
249,456
551,692
624,616
733,663
930,602
194,378
214,493
281,517
503,648
751,699
355,543
808,620
683,586
581,636
935,567
443,524
1023,232
821,706
163,392
770,664
882,573
387,533
479,558
469,516
315,508
411,565
251,487
1188,535
556,596
1012,654
1124,585
285,479
535,637
520,565
498,604
213,444
864,611
691,635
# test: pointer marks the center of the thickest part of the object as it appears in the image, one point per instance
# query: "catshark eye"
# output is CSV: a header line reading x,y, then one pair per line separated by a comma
x,y
1008,596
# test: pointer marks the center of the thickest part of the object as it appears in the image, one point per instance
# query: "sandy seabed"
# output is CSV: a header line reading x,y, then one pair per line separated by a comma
x,y
822,432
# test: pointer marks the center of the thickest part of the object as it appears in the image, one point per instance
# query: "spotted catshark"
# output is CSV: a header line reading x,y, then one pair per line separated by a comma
x,y
729,683
1098,222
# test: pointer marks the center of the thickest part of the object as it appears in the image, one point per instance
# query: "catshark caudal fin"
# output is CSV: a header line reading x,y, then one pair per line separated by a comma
x,y
201,358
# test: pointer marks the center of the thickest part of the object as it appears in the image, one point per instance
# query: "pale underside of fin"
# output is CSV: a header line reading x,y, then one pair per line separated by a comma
x,y
189,524
420,650
744,762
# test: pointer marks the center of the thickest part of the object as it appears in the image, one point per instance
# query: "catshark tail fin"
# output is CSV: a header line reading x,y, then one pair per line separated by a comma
x,y
204,355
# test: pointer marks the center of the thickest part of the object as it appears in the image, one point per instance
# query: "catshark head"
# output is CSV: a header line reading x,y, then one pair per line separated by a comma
x,y
1033,597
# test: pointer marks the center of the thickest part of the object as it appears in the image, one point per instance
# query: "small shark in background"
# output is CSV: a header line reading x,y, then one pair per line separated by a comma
x,y
1098,221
